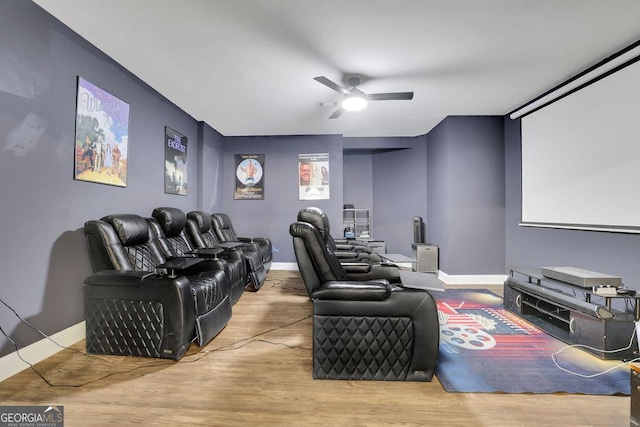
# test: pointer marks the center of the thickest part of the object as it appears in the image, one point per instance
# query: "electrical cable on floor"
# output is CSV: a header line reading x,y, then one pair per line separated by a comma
x,y
554,357
249,340
44,335
155,363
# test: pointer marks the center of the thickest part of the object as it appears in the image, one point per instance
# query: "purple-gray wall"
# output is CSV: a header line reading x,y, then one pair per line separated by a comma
x,y
357,188
44,209
399,193
210,168
272,216
465,193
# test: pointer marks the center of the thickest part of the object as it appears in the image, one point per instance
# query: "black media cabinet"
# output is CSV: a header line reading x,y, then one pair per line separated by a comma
x,y
569,313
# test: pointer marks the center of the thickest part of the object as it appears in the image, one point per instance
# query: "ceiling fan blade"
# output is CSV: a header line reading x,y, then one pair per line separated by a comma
x,y
337,113
389,96
325,81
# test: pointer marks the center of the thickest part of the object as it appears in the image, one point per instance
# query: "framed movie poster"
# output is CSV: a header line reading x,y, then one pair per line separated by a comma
x,y
313,176
102,136
249,177
175,162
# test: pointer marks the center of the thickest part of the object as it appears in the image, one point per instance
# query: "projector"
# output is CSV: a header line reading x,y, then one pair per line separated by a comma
x,y
580,277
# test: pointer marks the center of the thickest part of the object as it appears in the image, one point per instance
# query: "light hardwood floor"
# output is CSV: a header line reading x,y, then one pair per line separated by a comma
x,y
257,371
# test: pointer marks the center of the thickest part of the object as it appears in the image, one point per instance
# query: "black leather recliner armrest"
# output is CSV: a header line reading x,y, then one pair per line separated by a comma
x,y
206,252
346,254
355,248
185,266
228,245
356,267
117,278
180,263
353,291
386,271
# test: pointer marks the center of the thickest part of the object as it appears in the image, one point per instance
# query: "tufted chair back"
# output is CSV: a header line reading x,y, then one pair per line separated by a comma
x,y
122,242
319,219
200,230
223,228
316,262
169,227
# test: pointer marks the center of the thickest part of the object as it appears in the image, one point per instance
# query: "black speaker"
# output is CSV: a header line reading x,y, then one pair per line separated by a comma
x,y
418,230
512,299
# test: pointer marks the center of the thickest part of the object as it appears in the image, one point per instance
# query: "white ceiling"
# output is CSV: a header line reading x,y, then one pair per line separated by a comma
x,y
246,67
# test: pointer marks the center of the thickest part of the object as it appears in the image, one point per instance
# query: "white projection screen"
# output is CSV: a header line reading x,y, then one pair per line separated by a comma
x,y
581,158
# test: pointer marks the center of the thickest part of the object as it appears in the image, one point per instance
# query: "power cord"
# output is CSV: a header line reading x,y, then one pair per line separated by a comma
x,y
554,357
157,362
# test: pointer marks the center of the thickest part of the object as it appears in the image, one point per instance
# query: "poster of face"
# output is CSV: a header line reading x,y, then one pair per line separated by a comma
x,y
249,177
175,162
102,136
313,176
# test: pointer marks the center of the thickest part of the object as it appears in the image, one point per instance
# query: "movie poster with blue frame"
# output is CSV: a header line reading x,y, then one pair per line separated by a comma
x,y
101,136
175,162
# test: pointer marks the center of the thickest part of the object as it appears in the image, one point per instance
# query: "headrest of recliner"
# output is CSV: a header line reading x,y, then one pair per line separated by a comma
x,y
302,229
223,220
171,220
131,229
317,218
202,220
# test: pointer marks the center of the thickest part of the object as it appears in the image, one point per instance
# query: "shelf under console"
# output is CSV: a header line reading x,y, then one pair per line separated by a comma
x,y
604,331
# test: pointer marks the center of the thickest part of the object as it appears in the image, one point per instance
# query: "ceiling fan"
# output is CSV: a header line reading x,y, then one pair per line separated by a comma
x,y
355,99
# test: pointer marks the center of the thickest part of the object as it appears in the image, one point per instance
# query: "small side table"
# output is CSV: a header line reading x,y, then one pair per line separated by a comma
x,y
427,256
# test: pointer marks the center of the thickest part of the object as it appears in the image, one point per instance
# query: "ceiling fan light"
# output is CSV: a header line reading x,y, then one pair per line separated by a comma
x,y
354,103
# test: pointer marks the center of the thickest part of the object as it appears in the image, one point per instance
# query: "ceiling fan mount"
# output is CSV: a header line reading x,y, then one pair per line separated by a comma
x,y
355,99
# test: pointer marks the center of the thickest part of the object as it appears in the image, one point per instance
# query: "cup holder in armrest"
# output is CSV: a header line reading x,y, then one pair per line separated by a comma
x,y
177,265
228,245
206,252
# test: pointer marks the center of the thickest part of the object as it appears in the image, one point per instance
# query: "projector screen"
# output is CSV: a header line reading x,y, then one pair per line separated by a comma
x,y
581,158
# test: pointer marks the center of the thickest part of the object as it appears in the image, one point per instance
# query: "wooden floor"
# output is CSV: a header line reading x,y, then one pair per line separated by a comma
x,y
257,371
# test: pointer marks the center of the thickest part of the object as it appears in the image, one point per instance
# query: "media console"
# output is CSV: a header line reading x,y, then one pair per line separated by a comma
x,y
573,313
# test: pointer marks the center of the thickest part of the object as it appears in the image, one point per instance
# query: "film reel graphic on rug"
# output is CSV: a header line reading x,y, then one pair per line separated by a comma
x,y
467,337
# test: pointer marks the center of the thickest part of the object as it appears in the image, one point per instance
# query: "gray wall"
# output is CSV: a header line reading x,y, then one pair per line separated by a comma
x,y
465,164
43,210
210,168
611,253
357,188
399,193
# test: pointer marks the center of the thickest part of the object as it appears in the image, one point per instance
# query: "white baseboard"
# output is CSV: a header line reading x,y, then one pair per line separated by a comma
x,y
11,364
472,279
284,266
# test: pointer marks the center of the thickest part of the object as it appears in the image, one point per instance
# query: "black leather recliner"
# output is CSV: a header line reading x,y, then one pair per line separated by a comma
x,y
368,330
347,251
203,238
225,232
221,226
138,302
169,228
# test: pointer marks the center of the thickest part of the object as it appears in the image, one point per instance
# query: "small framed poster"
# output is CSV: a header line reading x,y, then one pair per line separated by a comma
x,y
102,136
313,176
249,177
175,162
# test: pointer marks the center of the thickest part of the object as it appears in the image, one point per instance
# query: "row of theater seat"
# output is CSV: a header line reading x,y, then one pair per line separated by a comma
x,y
367,323
163,281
